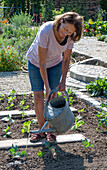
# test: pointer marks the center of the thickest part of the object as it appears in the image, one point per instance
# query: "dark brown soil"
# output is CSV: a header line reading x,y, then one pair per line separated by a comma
x,y
69,156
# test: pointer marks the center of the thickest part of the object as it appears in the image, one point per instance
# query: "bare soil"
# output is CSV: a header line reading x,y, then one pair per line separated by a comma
x,y
69,156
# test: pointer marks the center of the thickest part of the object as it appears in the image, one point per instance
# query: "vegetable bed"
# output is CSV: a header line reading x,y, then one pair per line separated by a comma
x,y
75,156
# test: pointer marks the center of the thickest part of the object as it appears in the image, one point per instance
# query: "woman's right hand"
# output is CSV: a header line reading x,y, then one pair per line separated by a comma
x,y
48,93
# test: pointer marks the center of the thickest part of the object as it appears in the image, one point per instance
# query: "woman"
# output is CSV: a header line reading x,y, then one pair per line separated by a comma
x,y
47,67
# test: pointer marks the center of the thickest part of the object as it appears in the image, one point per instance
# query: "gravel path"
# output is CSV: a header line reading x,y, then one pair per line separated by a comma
x,y
20,81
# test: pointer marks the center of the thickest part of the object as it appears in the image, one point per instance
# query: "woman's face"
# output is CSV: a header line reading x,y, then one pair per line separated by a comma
x,y
66,29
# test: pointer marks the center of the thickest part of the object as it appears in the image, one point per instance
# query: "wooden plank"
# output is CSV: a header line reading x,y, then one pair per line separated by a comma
x,y
60,139
15,113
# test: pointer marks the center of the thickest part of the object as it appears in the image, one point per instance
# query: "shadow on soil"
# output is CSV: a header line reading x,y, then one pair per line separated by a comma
x,y
63,160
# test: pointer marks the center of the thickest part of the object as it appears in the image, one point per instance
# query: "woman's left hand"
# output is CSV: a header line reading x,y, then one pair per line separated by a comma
x,y
61,86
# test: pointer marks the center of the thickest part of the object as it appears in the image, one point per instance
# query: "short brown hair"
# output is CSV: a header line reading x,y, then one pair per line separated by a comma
x,y
71,18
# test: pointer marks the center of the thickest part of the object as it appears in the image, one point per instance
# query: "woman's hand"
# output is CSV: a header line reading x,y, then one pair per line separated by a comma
x,y
61,86
48,93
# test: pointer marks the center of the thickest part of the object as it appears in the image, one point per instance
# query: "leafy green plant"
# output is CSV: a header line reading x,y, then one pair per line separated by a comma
x,y
71,100
10,59
81,111
22,102
8,119
50,149
15,154
7,133
10,99
23,19
86,143
102,118
102,37
26,127
40,154
23,114
78,123
1,97
98,87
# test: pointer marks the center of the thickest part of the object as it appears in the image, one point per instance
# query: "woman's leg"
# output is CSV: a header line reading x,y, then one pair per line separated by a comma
x,y
39,106
37,86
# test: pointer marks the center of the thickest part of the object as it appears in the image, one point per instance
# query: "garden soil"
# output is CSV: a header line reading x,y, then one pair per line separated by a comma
x,y
69,156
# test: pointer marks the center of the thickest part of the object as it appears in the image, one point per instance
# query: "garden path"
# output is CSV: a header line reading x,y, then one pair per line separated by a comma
x,y
20,80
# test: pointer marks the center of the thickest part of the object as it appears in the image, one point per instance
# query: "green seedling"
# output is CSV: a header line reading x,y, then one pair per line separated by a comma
x,y
50,148
86,143
13,92
7,133
23,114
22,104
40,154
78,123
102,118
10,99
1,97
71,100
104,104
26,127
81,111
98,87
8,119
70,92
16,154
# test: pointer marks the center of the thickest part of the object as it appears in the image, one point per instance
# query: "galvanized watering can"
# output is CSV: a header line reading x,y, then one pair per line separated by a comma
x,y
58,114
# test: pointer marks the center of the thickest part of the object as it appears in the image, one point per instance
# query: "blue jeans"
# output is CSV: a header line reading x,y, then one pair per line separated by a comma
x,y
54,75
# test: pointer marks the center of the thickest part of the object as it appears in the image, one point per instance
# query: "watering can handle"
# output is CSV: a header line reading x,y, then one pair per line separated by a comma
x,y
56,90
46,103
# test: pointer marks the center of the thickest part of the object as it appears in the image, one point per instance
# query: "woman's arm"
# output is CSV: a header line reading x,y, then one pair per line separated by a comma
x,y
65,67
42,65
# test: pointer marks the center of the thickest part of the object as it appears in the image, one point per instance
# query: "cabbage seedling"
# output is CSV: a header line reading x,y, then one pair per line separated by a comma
x,y
26,127
16,154
7,133
78,123
8,118
86,143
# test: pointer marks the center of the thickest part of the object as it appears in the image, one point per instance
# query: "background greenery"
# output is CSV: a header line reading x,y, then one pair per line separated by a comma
x,y
17,33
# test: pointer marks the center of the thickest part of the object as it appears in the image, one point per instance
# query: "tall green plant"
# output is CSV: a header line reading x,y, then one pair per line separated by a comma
x,y
23,19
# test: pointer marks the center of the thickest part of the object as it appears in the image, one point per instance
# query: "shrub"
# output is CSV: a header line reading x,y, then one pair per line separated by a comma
x,y
98,87
23,19
10,59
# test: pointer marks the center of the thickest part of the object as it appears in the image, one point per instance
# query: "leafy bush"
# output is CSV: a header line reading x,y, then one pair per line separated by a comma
x,y
14,47
23,19
10,59
102,38
98,87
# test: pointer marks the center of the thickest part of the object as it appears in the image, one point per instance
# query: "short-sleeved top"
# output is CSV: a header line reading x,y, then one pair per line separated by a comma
x,y
45,38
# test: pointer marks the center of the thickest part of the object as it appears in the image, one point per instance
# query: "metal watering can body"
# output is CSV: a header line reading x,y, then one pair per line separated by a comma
x,y
58,114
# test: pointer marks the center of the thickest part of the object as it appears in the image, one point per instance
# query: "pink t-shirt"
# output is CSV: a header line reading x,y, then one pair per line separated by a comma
x,y
46,39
